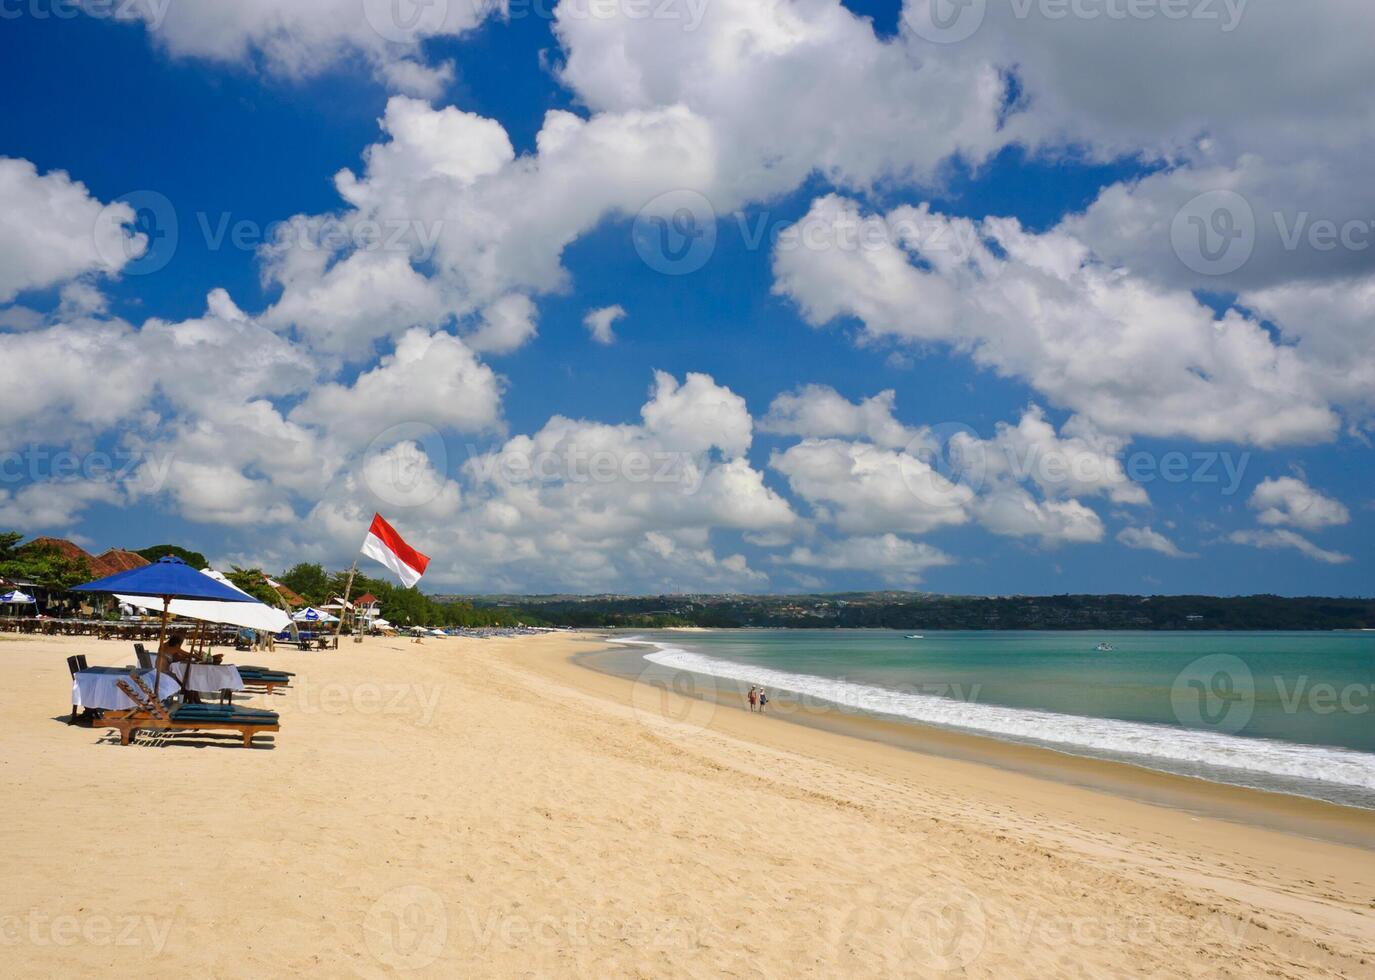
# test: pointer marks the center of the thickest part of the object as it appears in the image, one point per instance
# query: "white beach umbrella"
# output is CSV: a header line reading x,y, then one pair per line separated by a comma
x,y
251,615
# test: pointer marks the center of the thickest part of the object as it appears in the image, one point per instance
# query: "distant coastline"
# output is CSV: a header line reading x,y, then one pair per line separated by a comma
x,y
927,611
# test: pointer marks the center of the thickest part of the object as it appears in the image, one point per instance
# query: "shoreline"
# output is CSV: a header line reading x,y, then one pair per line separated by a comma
x,y
492,808
1281,812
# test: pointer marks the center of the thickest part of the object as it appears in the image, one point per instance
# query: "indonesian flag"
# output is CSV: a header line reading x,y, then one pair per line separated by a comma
x,y
386,546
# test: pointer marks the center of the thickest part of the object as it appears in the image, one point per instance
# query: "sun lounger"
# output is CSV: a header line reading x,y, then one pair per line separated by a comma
x,y
261,678
149,713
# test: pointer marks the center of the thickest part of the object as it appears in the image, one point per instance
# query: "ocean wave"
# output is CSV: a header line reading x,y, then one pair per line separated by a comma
x,y
1188,750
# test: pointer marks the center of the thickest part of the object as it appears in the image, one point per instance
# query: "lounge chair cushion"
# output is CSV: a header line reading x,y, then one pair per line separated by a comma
x,y
224,713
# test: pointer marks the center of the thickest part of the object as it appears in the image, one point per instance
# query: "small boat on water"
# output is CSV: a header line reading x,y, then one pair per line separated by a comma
x,y
915,636
1105,647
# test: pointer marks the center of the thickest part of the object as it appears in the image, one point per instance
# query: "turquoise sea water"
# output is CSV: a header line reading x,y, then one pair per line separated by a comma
x,y
1291,712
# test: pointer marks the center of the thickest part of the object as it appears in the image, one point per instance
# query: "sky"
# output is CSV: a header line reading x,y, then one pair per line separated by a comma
x,y
967,296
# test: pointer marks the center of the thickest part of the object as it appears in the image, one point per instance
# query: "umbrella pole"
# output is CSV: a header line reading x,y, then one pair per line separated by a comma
x,y
162,637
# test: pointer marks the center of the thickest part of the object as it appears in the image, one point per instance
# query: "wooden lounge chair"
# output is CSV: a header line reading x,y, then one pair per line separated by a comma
x,y
263,678
150,713
76,664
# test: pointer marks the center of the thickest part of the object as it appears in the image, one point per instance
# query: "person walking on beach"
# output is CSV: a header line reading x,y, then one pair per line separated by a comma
x,y
763,700
754,697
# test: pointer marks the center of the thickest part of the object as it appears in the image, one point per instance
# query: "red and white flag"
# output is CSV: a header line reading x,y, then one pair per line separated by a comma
x,y
386,546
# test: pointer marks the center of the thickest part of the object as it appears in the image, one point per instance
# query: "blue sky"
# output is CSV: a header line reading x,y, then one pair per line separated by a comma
x,y
250,431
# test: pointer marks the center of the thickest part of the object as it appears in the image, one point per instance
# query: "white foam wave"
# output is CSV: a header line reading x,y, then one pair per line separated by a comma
x,y
1071,733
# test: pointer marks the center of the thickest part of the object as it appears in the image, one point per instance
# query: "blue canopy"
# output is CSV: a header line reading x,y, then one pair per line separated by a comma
x,y
167,578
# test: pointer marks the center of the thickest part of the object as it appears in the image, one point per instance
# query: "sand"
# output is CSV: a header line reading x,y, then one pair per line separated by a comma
x,y
486,808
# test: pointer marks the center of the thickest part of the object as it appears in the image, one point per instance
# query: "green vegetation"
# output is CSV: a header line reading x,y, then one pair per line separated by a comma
x,y
923,611
42,565
402,607
193,558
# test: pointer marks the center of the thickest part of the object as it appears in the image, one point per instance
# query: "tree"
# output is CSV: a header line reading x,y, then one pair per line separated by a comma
x,y
251,581
42,565
309,581
193,558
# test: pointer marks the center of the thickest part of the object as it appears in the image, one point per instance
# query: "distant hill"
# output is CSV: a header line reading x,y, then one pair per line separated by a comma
x,y
921,610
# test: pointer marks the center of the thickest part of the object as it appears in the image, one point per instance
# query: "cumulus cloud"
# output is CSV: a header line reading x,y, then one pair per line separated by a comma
x,y
1146,539
431,379
891,558
1288,500
598,322
507,325
819,411
300,38
53,230
863,489
1125,354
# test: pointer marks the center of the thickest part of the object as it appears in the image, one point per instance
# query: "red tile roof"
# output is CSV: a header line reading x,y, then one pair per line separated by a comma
x,y
116,560
64,548
366,599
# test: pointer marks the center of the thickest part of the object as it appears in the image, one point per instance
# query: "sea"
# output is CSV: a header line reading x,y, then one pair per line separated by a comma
x,y
1283,712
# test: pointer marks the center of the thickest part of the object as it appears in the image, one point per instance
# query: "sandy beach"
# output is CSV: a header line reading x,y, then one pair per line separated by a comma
x,y
489,808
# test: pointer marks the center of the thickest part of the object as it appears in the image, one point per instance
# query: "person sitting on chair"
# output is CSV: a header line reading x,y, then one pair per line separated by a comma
x,y
172,652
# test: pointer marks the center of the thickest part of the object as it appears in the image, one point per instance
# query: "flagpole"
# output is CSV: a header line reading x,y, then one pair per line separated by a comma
x,y
343,608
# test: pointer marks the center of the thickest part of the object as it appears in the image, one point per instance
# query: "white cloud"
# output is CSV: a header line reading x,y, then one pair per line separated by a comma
x,y
598,322
507,325
53,230
430,379
1148,540
888,556
300,38
55,504
863,489
819,411
1126,355
1013,512
1286,500
1080,461
581,504
1283,538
